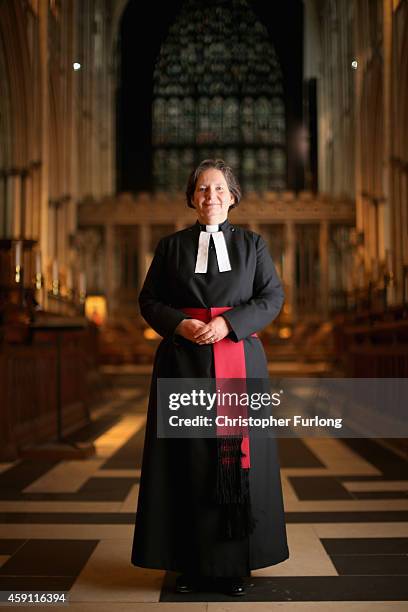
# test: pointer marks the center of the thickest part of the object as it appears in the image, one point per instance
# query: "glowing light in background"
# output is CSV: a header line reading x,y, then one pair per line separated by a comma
x,y
150,334
285,332
95,309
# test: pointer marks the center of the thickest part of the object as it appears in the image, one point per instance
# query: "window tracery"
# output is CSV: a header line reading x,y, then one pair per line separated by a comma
x,y
218,93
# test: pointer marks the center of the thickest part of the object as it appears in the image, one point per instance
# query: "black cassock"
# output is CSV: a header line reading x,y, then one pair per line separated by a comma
x,y
177,520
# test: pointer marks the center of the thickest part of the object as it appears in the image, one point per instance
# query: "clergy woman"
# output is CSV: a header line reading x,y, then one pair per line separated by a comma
x,y
210,507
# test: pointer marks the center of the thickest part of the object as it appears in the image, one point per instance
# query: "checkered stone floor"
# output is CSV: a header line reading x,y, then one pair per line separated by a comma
x,y
68,525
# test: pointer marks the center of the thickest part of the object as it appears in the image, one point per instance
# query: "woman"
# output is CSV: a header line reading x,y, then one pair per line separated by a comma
x,y
209,288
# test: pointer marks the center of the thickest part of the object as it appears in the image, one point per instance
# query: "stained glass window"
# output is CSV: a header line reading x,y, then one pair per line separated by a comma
x,y
230,120
188,121
159,121
203,112
232,157
278,121
263,120
218,93
215,118
187,163
173,113
247,120
262,169
159,169
248,169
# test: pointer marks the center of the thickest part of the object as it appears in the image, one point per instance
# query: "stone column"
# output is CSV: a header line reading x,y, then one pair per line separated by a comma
x,y
289,267
109,267
324,266
64,233
404,212
3,200
29,203
36,207
58,231
44,131
385,220
14,202
358,145
23,203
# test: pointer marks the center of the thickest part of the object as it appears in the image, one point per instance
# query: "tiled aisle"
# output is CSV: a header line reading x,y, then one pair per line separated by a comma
x,y
68,526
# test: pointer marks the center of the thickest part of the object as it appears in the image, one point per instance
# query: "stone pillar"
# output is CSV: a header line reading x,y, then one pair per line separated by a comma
x,y
29,203
392,267
358,145
64,233
289,267
385,220
324,266
14,202
109,267
404,212
4,220
44,131
58,231
36,208
23,203
399,251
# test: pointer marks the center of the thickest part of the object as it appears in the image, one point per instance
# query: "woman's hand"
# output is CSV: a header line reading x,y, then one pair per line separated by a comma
x,y
188,328
203,333
214,331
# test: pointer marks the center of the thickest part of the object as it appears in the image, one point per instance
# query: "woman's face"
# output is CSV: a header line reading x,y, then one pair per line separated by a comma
x,y
212,198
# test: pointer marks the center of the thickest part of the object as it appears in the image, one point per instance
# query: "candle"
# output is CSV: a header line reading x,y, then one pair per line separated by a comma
x,y
82,283
69,279
388,261
55,271
18,254
38,265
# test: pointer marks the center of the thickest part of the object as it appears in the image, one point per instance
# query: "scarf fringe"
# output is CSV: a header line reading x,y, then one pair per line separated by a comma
x,y
232,491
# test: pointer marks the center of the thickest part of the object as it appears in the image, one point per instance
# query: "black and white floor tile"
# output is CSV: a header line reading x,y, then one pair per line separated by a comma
x,y
68,526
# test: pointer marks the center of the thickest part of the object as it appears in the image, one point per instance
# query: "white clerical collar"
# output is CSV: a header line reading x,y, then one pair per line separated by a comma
x,y
220,250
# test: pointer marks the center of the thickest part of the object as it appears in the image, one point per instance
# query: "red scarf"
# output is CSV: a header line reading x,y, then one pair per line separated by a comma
x,y
232,485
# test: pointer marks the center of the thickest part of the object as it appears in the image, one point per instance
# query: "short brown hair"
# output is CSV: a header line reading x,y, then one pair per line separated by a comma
x,y
218,164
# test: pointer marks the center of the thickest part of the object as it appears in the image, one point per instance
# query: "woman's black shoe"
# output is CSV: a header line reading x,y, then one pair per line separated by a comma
x,y
185,584
235,587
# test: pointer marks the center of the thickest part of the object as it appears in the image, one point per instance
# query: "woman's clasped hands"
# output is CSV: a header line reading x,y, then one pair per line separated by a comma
x,y
203,333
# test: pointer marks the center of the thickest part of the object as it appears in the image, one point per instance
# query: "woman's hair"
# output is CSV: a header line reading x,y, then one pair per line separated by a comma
x,y
218,164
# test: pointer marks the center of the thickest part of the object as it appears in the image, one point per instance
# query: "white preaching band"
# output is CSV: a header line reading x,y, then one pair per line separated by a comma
x,y
220,250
